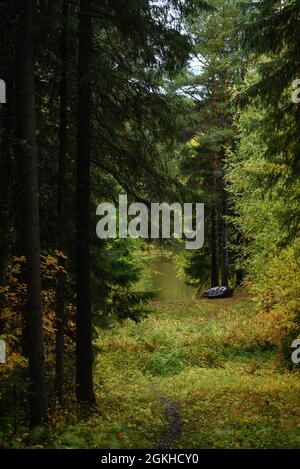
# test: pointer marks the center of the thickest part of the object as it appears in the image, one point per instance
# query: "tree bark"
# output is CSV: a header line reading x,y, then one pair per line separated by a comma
x,y
61,203
27,152
214,211
6,175
214,225
84,352
6,132
224,229
7,122
239,272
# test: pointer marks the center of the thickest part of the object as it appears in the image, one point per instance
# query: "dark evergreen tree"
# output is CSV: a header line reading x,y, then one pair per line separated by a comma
x,y
61,195
27,154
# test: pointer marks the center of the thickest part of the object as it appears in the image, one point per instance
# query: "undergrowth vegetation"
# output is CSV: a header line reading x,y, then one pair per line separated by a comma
x,y
217,360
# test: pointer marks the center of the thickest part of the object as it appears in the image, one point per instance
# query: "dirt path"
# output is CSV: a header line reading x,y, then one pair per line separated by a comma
x,y
173,430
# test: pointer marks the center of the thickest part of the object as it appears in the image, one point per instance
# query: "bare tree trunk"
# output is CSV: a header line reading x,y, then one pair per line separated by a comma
x,y
26,135
6,180
239,272
224,229
214,225
6,140
61,203
214,211
84,352
7,121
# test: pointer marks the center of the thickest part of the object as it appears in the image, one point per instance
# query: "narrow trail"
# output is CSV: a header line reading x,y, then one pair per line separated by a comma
x,y
172,408
173,430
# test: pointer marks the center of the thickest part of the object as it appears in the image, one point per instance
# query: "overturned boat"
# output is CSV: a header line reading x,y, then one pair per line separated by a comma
x,y
218,292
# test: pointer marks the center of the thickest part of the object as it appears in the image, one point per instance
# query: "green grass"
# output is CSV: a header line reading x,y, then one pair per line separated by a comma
x,y
214,358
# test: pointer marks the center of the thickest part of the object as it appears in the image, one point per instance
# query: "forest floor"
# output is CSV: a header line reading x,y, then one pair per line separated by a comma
x,y
194,374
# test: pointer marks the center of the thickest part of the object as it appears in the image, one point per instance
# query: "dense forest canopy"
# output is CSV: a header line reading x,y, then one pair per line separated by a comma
x,y
170,101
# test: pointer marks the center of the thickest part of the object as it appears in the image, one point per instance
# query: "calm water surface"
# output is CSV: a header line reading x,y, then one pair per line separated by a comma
x,y
163,276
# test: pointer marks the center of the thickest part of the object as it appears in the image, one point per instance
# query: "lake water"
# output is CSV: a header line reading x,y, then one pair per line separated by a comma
x,y
163,277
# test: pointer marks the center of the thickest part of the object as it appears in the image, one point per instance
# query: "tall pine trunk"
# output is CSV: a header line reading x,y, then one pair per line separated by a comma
x,y
214,212
239,271
214,224
27,151
6,180
84,355
7,121
224,233
61,203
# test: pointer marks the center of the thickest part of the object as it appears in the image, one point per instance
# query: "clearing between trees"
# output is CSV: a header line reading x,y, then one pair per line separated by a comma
x,y
193,374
